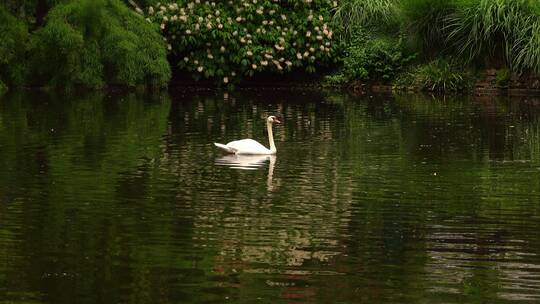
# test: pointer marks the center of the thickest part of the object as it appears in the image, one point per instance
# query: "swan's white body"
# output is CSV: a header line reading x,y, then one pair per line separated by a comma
x,y
250,146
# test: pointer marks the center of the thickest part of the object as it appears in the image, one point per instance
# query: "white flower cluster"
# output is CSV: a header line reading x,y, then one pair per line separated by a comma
x,y
223,38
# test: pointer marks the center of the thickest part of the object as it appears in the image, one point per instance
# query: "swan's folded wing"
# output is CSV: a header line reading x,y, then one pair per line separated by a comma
x,y
225,148
248,146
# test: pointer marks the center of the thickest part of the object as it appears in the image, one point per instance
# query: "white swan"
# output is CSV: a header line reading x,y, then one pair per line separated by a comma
x,y
250,146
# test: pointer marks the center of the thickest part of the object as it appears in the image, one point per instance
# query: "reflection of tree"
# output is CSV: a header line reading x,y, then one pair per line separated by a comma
x,y
63,158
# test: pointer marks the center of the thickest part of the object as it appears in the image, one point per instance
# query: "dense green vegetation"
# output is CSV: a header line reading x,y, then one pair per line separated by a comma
x,y
84,43
435,45
13,39
474,34
372,58
93,42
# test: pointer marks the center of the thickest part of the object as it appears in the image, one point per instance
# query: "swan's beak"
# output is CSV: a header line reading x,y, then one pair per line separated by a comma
x,y
277,121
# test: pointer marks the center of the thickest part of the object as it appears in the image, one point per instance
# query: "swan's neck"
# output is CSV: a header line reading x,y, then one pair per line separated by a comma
x,y
271,137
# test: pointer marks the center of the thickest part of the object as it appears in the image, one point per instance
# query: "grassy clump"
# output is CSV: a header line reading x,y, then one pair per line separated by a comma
x,y
488,33
13,43
526,56
440,75
91,43
496,32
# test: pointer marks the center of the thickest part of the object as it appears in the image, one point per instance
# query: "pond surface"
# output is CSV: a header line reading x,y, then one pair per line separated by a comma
x,y
408,199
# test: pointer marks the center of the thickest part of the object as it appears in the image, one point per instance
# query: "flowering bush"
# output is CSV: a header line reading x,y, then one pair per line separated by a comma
x,y
229,40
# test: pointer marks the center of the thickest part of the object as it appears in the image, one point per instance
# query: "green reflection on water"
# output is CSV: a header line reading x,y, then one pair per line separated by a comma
x,y
122,198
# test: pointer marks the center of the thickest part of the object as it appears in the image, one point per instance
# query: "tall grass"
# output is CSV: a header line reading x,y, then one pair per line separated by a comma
x,y
494,33
526,49
426,21
494,29
352,15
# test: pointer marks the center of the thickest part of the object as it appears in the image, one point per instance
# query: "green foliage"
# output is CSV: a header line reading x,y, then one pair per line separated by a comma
x,y
438,76
502,78
13,43
375,58
337,79
91,43
141,3
3,87
32,12
427,22
354,15
405,81
226,41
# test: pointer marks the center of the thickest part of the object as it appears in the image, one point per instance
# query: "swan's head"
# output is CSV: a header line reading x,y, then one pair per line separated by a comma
x,y
273,119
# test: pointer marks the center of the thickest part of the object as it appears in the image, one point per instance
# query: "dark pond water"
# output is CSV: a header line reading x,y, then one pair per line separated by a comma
x,y
124,199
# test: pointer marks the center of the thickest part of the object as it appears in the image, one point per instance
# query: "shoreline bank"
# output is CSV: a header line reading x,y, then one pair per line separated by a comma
x,y
481,88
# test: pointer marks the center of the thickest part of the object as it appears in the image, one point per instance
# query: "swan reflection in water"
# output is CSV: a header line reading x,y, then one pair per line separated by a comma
x,y
249,162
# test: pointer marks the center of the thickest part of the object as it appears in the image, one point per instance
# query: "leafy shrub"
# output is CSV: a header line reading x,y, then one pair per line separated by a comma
x,y
438,76
405,81
3,88
375,58
13,40
502,78
228,40
93,42
337,79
